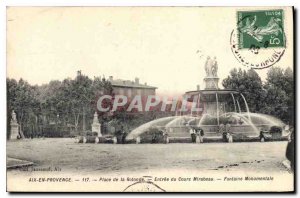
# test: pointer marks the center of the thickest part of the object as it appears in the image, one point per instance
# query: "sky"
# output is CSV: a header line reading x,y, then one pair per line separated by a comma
x,y
164,46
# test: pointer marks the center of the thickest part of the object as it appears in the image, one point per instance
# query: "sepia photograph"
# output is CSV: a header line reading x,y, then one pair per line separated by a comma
x,y
150,99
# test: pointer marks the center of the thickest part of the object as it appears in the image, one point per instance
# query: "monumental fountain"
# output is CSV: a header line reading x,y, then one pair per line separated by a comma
x,y
224,116
223,110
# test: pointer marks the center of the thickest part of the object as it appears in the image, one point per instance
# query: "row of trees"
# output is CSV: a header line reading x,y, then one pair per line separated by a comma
x,y
275,96
66,103
70,104
61,107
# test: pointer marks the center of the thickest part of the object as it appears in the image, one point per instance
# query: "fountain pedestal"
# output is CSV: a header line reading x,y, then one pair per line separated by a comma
x,y
211,82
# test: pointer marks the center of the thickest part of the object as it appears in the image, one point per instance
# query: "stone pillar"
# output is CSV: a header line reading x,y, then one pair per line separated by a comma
x,y
96,140
96,126
14,127
115,141
138,140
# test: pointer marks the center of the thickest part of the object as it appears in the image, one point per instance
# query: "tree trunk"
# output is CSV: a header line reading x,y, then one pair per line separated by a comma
x,y
76,121
83,119
21,126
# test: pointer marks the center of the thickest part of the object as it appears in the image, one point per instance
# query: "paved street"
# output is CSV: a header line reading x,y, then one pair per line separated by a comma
x,y
70,156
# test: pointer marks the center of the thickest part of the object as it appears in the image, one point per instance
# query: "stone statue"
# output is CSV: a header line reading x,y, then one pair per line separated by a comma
x,y
207,68
13,116
214,68
14,127
96,126
211,67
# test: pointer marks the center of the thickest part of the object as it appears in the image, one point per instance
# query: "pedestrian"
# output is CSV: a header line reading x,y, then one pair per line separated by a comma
x,y
197,135
201,133
165,136
193,134
290,149
124,137
222,130
228,133
154,138
119,134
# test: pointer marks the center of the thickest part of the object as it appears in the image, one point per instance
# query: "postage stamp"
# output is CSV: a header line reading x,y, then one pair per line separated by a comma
x,y
262,28
259,40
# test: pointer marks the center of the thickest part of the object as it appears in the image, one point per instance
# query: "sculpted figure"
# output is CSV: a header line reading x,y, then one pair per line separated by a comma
x,y
211,67
207,67
214,69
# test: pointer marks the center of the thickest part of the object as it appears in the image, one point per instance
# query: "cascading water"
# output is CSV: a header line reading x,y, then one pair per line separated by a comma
x,y
220,107
247,108
145,127
242,123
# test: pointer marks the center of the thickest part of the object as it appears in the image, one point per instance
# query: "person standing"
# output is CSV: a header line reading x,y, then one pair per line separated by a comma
x,y
222,130
197,135
228,133
193,134
201,133
124,134
165,136
290,150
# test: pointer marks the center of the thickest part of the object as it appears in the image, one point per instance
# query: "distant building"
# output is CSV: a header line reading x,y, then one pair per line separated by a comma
x,y
131,88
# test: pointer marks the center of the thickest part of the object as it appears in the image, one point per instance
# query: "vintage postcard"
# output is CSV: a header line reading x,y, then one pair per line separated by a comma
x,y
150,99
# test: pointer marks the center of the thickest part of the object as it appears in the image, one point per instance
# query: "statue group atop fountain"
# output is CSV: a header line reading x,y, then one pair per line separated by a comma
x,y
211,69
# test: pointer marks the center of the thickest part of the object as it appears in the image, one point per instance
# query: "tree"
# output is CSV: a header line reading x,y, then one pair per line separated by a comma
x,y
56,104
11,88
75,100
280,97
274,97
21,97
249,84
290,92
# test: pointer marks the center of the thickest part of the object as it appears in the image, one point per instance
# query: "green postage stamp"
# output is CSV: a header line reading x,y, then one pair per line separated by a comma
x,y
261,29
